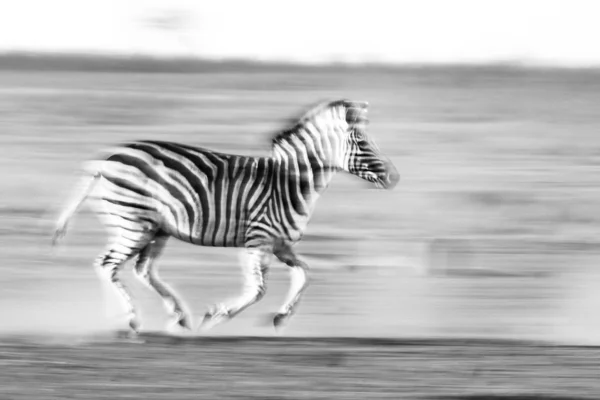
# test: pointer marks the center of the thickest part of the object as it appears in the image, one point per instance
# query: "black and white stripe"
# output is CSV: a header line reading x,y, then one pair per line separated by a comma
x,y
148,191
194,194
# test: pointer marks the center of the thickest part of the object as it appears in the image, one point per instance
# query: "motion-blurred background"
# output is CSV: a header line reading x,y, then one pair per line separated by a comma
x,y
487,108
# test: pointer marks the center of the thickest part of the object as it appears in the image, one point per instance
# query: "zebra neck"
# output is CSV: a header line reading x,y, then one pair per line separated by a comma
x,y
297,187
306,171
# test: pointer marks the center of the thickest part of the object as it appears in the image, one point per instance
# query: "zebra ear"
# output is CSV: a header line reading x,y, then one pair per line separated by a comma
x,y
357,112
361,105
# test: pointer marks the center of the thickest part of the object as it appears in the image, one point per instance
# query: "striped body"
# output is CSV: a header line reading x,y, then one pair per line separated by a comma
x,y
148,191
196,195
209,198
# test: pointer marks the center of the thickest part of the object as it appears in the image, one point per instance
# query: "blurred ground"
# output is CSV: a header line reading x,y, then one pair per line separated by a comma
x,y
259,368
491,233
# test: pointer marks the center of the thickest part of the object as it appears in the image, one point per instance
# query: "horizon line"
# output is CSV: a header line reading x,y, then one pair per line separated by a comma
x,y
158,59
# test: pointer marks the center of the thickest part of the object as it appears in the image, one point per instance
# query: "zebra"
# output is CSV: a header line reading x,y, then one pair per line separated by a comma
x,y
148,191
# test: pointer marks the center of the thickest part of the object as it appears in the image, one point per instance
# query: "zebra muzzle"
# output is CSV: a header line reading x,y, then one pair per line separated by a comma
x,y
392,177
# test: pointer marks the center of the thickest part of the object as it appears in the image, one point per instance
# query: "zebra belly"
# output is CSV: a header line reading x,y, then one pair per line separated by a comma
x,y
203,237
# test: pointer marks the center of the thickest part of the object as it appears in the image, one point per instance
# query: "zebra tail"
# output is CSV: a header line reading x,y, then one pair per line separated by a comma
x,y
82,190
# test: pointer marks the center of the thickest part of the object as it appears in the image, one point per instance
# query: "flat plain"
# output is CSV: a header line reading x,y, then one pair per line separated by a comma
x,y
489,240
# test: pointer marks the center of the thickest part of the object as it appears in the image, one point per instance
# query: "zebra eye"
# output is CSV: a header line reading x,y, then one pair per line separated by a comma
x,y
359,136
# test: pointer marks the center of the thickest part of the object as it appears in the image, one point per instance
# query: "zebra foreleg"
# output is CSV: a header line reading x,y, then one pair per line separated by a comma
x,y
298,284
146,272
255,268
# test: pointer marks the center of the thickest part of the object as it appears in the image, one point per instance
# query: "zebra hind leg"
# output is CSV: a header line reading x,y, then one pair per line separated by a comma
x,y
107,266
255,268
128,240
298,284
145,271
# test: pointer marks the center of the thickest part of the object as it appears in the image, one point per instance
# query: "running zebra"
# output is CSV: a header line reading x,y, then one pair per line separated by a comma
x,y
148,191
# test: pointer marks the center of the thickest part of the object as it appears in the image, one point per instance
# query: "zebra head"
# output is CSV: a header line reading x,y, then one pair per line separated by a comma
x,y
332,136
362,156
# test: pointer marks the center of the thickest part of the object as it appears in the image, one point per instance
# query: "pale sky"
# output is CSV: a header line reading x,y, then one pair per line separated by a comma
x,y
562,32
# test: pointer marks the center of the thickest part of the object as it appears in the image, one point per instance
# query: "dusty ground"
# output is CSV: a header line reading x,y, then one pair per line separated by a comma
x,y
159,367
492,233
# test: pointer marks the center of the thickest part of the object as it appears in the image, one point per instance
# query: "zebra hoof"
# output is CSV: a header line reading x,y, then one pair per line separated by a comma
x,y
185,323
208,322
135,325
279,320
179,324
213,317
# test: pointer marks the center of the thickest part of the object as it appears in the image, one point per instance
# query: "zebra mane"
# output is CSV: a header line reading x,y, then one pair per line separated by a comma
x,y
297,124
